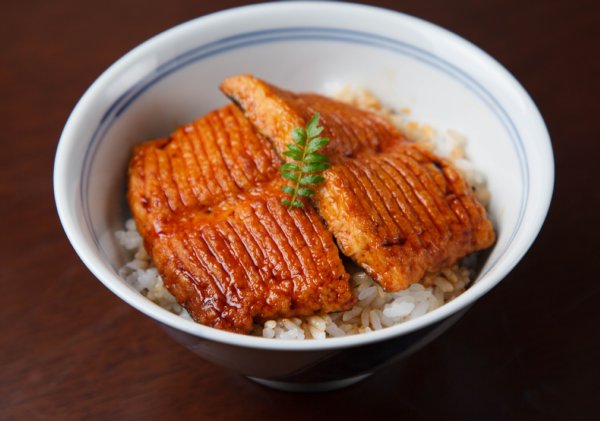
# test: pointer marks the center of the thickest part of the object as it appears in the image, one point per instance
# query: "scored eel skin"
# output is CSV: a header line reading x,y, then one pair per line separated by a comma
x,y
393,207
207,203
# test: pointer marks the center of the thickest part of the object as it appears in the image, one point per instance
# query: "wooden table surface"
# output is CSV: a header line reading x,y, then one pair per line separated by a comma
x,y
69,349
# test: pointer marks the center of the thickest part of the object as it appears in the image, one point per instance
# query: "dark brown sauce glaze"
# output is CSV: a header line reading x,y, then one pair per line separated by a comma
x,y
208,205
396,209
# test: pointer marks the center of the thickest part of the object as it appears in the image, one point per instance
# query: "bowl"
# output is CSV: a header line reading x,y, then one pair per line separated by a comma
x,y
305,46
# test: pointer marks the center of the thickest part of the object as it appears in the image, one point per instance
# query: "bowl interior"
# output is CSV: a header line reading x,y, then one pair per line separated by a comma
x,y
174,79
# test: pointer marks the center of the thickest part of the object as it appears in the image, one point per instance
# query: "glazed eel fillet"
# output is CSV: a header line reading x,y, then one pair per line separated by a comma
x,y
395,208
207,204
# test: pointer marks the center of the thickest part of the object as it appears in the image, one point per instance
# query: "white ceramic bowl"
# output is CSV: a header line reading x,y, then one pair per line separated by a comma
x,y
173,78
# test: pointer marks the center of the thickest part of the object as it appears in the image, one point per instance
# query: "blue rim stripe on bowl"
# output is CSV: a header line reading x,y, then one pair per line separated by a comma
x,y
116,109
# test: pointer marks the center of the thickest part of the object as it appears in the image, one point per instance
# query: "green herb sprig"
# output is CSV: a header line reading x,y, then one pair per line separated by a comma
x,y
304,172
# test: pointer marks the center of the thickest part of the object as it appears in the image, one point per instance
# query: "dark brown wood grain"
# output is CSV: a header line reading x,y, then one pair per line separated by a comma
x,y
69,349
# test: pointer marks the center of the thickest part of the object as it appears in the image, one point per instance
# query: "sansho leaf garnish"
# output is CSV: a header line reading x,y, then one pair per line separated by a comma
x,y
308,163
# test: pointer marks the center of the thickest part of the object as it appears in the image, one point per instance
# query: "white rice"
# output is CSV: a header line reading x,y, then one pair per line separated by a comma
x,y
375,308
141,273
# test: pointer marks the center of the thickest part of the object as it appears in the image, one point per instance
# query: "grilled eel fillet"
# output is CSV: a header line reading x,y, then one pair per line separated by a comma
x,y
212,220
274,112
396,209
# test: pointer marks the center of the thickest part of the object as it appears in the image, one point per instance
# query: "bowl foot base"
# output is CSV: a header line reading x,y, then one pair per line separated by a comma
x,y
310,387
